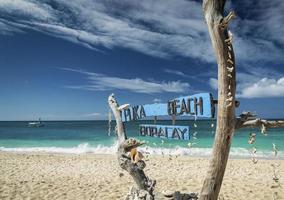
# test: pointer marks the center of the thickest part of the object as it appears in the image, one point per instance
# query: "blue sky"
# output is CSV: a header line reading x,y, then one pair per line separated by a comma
x,y
61,59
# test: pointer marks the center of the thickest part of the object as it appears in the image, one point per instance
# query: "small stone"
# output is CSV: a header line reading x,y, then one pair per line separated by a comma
x,y
167,193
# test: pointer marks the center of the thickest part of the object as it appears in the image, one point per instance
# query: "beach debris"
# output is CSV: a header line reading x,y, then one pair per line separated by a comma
x,y
275,176
229,105
229,40
132,143
230,48
140,194
229,55
252,138
135,155
109,122
263,129
229,99
275,196
275,149
231,62
121,174
254,160
247,116
176,195
253,153
190,144
253,150
168,193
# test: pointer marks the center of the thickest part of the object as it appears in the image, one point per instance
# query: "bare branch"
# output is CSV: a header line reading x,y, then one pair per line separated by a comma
x,y
130,159
258,123
116,112
226,20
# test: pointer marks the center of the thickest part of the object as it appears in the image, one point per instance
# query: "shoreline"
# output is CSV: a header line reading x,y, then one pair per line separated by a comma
x,y
97,176
114,154
196,152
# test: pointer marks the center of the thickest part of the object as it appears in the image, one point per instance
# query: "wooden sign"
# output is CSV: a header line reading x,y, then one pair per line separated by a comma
x,y
199,105
165,131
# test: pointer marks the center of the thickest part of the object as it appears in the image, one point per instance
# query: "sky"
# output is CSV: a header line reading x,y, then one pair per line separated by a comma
x,y
60,60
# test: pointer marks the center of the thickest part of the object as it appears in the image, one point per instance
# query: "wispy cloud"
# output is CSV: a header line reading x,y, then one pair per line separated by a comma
x,y
101,82
138,25
95,114
8,29
176,72
156,100
69,116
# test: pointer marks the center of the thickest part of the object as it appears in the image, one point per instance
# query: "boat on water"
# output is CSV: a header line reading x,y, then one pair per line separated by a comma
x,y
36,123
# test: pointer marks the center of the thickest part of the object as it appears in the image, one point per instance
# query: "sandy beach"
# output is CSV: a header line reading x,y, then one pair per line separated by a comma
x,y
91,176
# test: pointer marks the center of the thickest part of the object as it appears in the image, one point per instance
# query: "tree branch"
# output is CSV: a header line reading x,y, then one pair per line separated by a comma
x,y
261,123
226,20
130,159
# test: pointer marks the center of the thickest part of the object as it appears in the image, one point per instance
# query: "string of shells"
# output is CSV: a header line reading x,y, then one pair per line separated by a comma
x,y
230,69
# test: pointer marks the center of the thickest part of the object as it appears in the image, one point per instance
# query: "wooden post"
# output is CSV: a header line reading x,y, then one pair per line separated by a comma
x,y
221,40
173,120
155,119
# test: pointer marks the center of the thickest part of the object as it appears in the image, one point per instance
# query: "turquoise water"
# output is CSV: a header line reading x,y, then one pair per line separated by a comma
x,y
92,136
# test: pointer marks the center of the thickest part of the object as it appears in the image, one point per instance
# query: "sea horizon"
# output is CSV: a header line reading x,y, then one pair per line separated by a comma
x,y
91,136
58,120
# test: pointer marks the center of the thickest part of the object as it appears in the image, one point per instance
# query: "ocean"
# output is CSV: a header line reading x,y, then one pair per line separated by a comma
x,y
92,137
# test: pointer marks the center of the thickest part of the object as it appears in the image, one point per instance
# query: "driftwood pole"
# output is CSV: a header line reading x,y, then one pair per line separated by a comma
x,y
221,40
129,159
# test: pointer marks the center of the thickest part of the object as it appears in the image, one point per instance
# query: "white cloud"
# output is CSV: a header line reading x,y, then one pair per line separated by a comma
x,y
156,100
264,88
213,82
254,81
95,114
119,24
26,8
162,28
101,82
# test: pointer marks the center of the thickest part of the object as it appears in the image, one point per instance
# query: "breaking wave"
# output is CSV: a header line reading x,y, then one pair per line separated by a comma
x,y
101,149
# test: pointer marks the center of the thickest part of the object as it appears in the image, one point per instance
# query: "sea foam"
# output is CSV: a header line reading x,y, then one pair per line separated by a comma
x,y
101,149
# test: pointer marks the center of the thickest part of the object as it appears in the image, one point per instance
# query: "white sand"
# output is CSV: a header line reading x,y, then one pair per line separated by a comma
x,y
89,176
